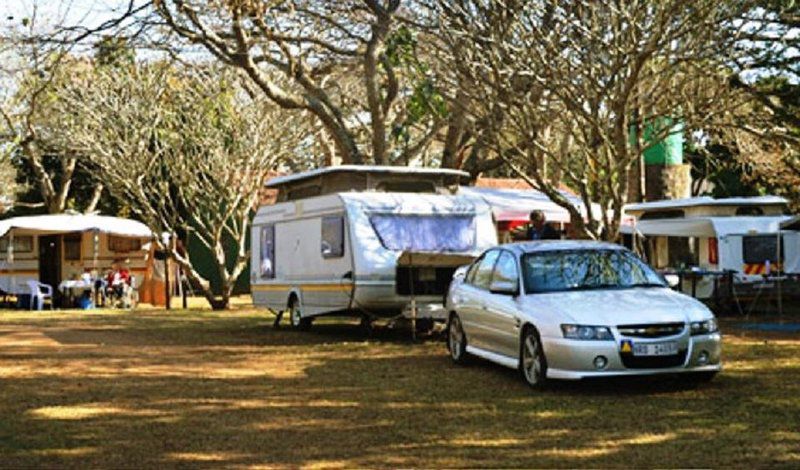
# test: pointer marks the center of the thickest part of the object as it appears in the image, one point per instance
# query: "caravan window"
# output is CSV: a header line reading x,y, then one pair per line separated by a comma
x,y
124,244
72,247
332,237
438,233
22,244
757,249
267,268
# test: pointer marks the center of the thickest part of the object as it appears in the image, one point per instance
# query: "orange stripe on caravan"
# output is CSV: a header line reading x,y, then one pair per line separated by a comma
x,y
756,268
19,271
307,287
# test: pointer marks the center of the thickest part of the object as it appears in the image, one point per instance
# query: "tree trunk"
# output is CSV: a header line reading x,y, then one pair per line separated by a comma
x,y
98,192
199,283
455,132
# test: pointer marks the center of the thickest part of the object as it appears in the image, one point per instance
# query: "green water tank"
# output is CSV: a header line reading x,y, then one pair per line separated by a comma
x,y
668,151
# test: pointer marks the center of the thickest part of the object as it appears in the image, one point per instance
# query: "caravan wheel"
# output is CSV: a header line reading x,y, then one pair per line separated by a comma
x,y
296,316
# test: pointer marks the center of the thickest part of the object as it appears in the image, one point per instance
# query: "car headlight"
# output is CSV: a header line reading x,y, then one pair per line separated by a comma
x,y
704,327
587,332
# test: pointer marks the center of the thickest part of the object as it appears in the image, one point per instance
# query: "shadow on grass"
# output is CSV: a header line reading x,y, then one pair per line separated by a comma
x,y
233,391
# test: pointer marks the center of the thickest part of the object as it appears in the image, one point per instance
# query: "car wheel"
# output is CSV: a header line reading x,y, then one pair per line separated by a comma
x,y
532,362
456,340
296,318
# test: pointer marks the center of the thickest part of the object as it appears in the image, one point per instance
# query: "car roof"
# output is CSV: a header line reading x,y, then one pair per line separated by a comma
x,y
558,245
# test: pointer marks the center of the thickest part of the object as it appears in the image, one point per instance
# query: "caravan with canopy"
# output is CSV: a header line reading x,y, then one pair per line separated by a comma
x,y
52,250
742,235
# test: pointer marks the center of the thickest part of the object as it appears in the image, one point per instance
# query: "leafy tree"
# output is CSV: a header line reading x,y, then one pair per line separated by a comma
x,y
556,87
187,149
37,57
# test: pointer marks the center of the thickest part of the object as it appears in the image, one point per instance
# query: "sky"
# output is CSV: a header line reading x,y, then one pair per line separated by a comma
x,y
84,12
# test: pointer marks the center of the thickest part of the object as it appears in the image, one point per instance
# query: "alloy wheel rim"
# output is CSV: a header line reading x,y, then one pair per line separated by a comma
x,y
531,362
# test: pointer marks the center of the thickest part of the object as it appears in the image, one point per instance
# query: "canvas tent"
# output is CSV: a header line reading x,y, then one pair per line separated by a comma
x,y
54,248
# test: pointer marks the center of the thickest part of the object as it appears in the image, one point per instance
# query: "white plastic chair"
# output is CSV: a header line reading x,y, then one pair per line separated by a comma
x,y
40,292
131,294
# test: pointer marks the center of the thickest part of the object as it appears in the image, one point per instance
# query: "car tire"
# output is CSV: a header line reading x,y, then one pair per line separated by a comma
x,y
532,361
296,318
457,340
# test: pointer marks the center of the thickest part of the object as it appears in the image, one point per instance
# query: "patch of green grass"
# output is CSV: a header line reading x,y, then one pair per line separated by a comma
x,y
207,389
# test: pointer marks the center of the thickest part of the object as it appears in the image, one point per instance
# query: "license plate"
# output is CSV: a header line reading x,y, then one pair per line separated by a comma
x,y
655,349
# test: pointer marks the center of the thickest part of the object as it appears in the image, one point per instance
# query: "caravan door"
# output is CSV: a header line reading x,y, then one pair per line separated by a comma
x,y
50,260
313,256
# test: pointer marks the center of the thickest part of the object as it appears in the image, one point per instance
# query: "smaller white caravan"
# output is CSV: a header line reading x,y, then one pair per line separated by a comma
x,y
52,249
740,234
365,241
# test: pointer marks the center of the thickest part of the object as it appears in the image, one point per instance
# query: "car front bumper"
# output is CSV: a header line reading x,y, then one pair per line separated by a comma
x,y
573,359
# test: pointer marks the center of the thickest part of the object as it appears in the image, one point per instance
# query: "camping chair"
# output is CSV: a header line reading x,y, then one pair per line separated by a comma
x,y
39,293
130,294
129,298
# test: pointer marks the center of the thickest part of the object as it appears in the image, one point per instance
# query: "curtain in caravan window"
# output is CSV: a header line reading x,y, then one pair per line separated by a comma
x,y
332,237
267,268
435,233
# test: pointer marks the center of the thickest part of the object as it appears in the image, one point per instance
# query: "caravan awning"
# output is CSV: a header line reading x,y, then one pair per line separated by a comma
x,y
792,224
517,204
69,223
708,226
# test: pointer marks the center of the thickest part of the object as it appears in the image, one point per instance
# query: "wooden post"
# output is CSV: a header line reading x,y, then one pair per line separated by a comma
x,y
10,258
168,290
183,289
413,297
779,262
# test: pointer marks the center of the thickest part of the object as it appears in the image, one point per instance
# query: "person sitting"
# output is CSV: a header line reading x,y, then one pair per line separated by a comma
x,y
117,281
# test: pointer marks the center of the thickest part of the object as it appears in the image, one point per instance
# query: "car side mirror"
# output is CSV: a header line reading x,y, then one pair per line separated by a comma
x,y
503,288
460,272
672,280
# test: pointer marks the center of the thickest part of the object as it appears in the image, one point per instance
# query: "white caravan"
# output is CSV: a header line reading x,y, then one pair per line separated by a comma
x,y
51,249
740,234
346,241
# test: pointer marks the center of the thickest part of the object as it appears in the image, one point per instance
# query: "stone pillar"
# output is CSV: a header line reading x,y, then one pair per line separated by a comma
x,y
668,182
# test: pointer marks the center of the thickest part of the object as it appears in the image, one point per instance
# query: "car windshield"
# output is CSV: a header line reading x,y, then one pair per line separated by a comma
x,y
568,270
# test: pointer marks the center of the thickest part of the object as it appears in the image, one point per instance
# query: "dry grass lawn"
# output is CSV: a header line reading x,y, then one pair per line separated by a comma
x,y
203,389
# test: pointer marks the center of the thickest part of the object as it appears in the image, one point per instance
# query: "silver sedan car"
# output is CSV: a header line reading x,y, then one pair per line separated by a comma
x,y
577,309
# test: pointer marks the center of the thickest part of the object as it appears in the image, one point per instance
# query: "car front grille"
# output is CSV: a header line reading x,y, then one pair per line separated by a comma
x,y
654,330
653,362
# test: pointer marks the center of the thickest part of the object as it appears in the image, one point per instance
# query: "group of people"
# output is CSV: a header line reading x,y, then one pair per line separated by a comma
x,y
112,286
